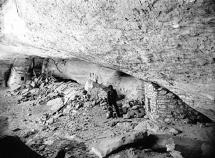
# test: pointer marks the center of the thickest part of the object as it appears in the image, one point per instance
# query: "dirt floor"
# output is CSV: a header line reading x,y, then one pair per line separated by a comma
x,y
79,129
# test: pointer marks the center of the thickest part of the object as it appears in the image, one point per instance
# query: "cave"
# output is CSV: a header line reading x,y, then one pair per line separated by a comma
x,y
107,78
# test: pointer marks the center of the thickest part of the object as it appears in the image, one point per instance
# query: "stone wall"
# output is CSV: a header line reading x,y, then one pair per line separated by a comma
x,y
19,72
151,100
5,66
2,81
17,77
164,106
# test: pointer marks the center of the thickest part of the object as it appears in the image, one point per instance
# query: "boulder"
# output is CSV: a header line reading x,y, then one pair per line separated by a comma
x,y
66,110
125,125
107,146
142,126
155,128
55,104
173,131
89,85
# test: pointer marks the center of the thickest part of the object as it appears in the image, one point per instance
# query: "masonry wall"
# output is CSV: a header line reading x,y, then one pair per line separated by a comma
x,y
2,81
164,106
151,101
5,66
19,72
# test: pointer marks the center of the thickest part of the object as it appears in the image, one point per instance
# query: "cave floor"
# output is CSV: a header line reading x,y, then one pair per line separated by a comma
x,y
76,132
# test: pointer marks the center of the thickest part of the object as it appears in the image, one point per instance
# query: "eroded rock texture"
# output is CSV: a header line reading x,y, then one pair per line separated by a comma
x,y
170,42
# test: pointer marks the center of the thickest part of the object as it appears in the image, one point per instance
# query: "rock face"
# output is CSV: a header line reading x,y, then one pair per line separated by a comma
x,y
169,42
161,104
82,71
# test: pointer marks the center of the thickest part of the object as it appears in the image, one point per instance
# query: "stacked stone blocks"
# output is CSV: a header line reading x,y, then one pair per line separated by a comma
x,y
164,106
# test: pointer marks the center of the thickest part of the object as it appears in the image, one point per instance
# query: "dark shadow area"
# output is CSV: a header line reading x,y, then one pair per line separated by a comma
x,y
120,97
150,142
12,147
157,143
122,74
3,125
60,79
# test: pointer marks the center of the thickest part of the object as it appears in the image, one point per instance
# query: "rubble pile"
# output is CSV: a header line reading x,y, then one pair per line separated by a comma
x,y
56,95
33,89
69,96
129,108
133,109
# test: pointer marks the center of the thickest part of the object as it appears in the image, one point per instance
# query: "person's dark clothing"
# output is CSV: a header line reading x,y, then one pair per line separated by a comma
x,y
111,99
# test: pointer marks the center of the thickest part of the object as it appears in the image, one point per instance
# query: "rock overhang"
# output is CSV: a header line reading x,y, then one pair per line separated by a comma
x,y
170,42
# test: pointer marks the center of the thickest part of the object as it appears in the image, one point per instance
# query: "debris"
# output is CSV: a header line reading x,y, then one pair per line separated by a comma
x,y
30,133
48,142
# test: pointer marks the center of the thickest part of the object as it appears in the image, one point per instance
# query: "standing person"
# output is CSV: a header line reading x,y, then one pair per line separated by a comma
x,y
111,100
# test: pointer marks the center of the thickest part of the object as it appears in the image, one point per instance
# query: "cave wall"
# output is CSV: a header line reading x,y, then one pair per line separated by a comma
x,y
83,71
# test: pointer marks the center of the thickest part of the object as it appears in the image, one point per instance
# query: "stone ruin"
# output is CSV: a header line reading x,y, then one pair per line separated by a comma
x,y
159,103
164,106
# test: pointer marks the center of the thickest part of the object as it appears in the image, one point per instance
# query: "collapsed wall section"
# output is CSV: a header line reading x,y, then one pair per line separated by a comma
x,y
23,69
19,73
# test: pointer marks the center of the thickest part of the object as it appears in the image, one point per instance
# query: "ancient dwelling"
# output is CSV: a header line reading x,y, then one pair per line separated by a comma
x,y
164,106
19,73
2,81
5,71
23,69
160,104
